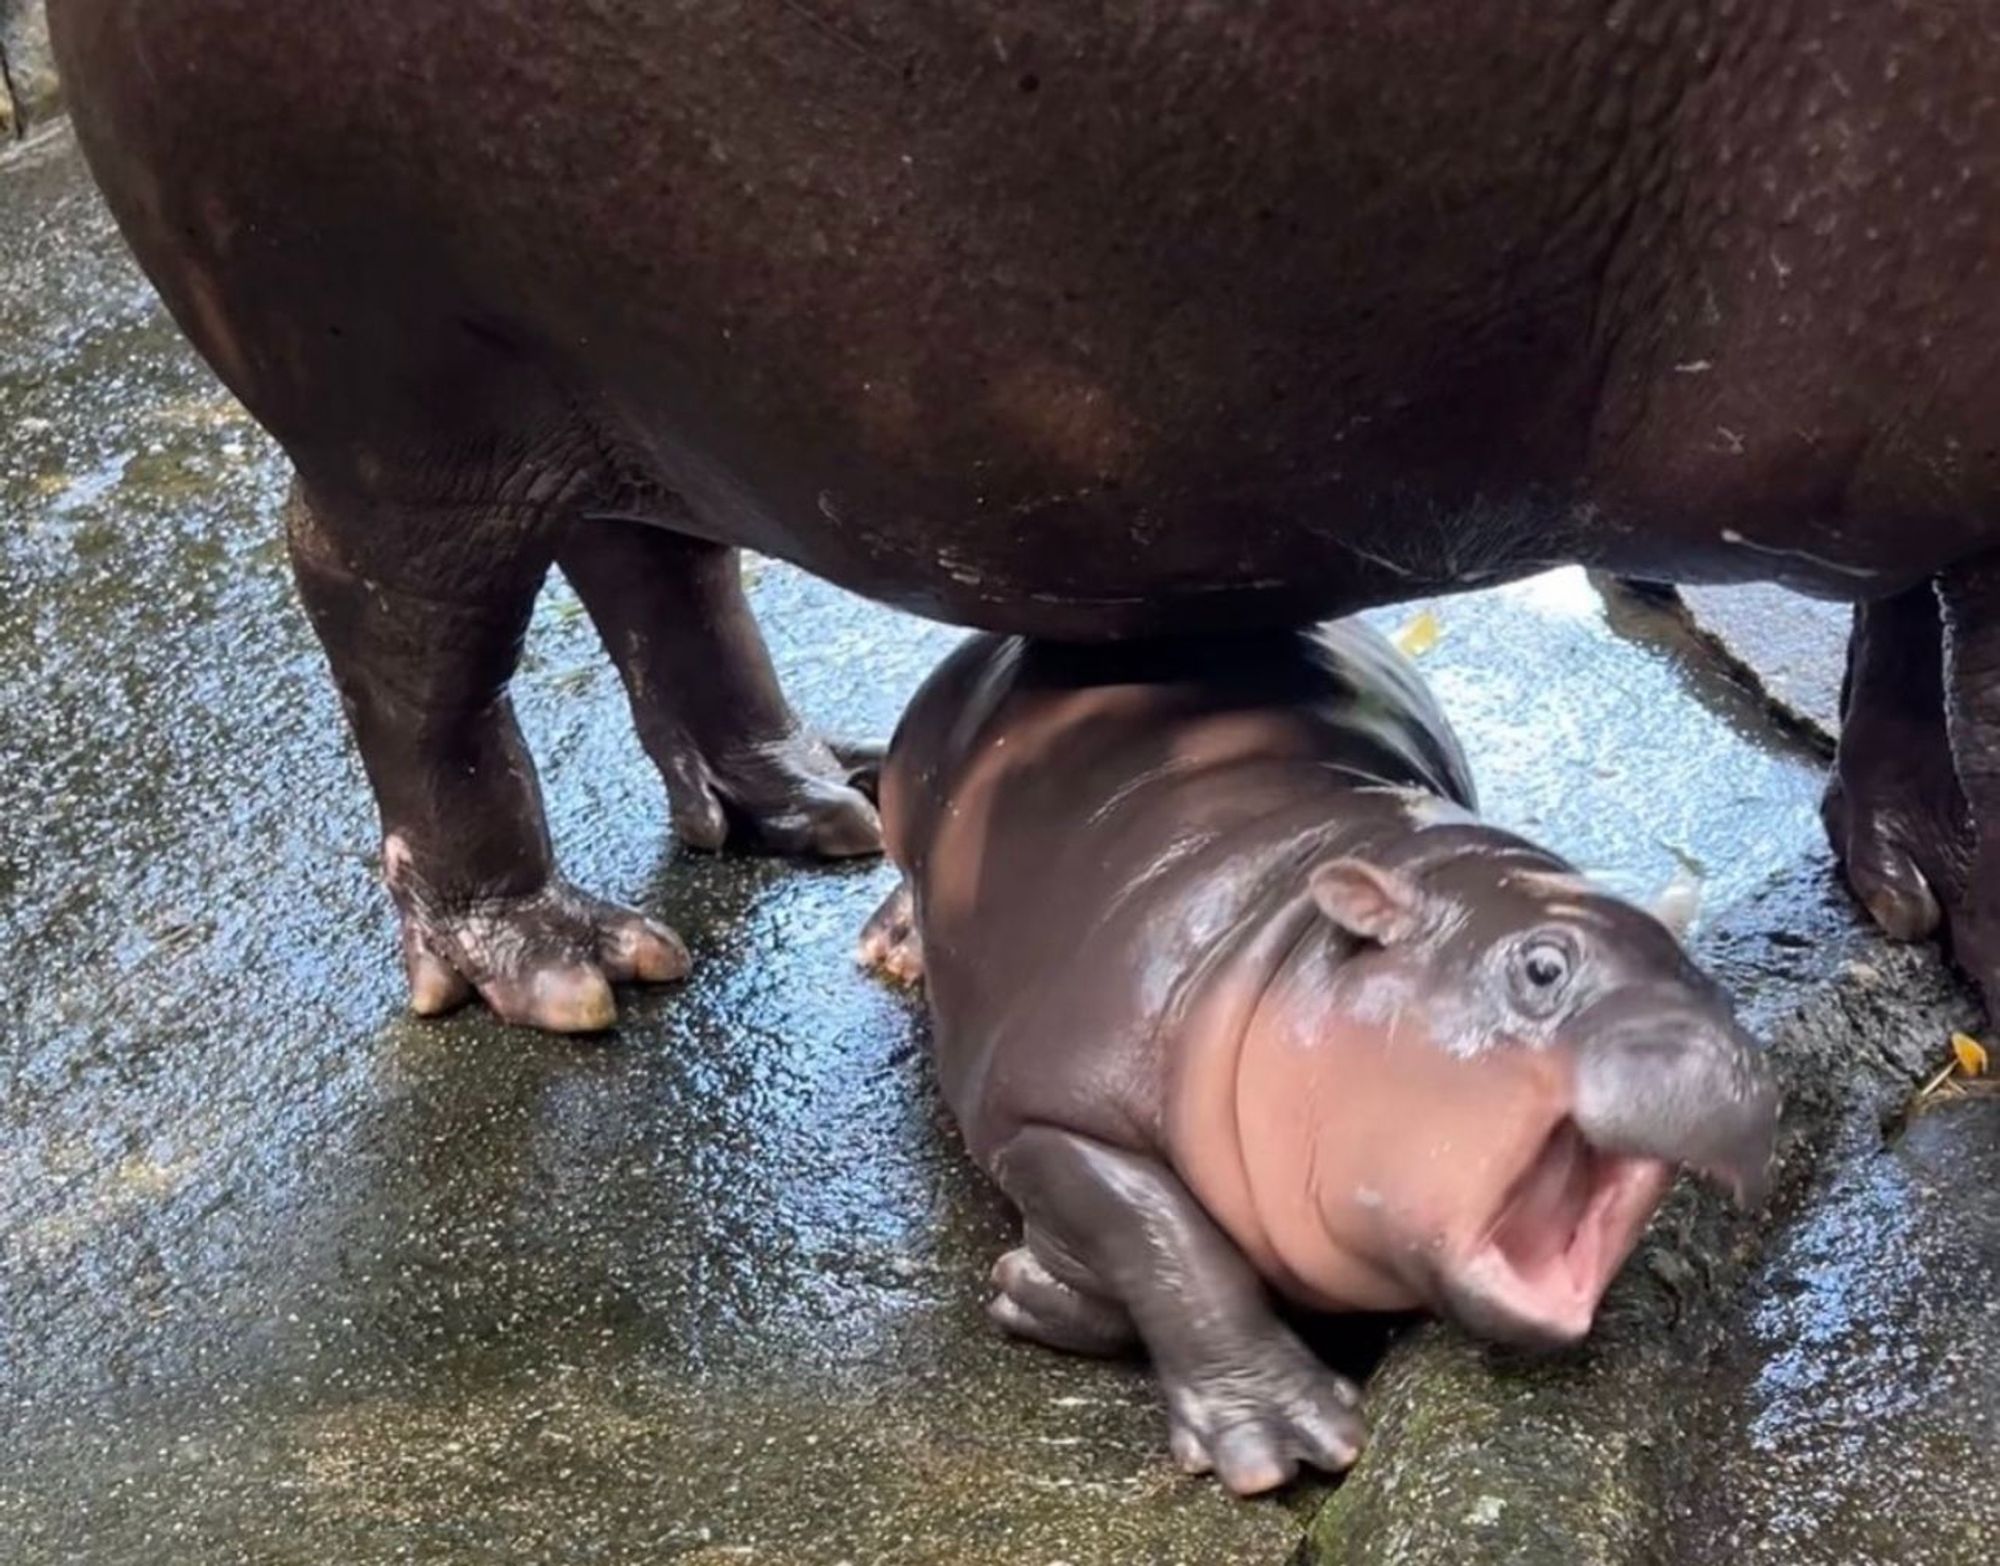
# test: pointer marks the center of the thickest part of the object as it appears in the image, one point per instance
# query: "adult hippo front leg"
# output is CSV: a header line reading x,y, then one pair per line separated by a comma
x,y
1893,808
422,613
1114,1236
736,761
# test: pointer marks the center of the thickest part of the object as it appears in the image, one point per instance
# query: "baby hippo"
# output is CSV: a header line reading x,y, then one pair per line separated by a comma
x,y
1233,994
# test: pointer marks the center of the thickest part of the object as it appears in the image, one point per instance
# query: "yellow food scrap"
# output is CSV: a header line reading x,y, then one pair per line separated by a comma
x,y
1419,636
1962,1075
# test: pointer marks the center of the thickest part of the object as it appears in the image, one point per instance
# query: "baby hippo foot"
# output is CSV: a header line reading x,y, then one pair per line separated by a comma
x,y
890,945
1255,1419
544,960
1033,1303
799,795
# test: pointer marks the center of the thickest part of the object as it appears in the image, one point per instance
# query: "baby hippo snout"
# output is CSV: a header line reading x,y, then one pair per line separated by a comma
x,y
1665,1072
1662,1078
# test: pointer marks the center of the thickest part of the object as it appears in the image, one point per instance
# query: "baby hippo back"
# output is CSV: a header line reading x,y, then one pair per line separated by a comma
x,y
1081,826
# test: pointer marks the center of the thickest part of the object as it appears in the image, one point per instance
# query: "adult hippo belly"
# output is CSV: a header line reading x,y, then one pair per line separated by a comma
x,y
1076,322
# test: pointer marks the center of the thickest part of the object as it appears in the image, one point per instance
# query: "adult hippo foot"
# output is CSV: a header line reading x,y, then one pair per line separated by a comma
x,y
1894,811
1255,1419
544,960
1903,842
741,770
797,795
890,945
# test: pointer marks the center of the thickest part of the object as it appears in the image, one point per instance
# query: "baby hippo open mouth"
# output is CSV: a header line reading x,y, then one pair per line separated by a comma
x,y
1561,1232
1233,994
1560,1225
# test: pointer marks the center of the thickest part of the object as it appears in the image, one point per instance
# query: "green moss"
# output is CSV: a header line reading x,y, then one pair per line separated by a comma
x,y
1476,1459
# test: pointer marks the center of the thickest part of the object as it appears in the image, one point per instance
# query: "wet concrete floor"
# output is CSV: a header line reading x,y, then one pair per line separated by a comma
x,y
286,1275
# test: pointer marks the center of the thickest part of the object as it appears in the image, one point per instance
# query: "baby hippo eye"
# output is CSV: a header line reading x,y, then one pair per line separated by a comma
x,y
1545,966
1541,975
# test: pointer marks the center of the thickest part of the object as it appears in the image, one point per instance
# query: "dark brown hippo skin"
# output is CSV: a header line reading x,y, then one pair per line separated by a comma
x,y
1232,992
1081,322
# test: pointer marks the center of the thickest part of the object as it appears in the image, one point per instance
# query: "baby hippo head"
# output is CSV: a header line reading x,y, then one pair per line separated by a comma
x,y
1499,1069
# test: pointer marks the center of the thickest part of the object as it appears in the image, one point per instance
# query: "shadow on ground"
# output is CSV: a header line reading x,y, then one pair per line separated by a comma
x,y
287,1277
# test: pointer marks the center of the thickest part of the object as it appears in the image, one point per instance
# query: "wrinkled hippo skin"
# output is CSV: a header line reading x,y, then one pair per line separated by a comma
x,y
1163,318
1232,990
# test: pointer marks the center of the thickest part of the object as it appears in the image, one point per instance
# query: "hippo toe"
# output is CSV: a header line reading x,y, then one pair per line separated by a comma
x,y
546,959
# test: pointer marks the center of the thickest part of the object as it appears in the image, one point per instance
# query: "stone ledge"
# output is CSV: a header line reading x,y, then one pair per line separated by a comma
x,y
1794,647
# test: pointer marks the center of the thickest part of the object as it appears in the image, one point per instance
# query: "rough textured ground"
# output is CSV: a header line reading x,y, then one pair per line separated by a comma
x,y
285,1276
30,95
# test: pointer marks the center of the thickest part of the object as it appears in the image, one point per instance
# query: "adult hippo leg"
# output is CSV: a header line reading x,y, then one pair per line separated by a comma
x,y
1971,598
1893,808
422,614
1244,1396
706,701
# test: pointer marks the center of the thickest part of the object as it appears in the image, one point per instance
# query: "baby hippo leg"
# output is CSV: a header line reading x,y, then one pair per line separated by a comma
x,y
1244,1396
1036,1300
890,944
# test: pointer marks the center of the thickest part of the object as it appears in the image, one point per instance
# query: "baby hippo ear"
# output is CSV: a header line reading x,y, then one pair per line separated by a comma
x,y
1679,903
1368,901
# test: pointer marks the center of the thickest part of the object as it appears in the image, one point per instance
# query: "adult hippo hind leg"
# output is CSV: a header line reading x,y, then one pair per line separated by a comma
x,y
738,764
422,611
1893,808
1244,1396
1970,595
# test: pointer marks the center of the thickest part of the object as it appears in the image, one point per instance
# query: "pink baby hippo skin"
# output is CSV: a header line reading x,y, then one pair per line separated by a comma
x,y
1234,995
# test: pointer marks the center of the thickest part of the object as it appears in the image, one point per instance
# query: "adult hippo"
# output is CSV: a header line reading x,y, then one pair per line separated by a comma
x,y
1081,322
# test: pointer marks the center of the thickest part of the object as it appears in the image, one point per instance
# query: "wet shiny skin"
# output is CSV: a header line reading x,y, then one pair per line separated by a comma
x,y
1229,983
1152,319
1423,1108
722,1274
